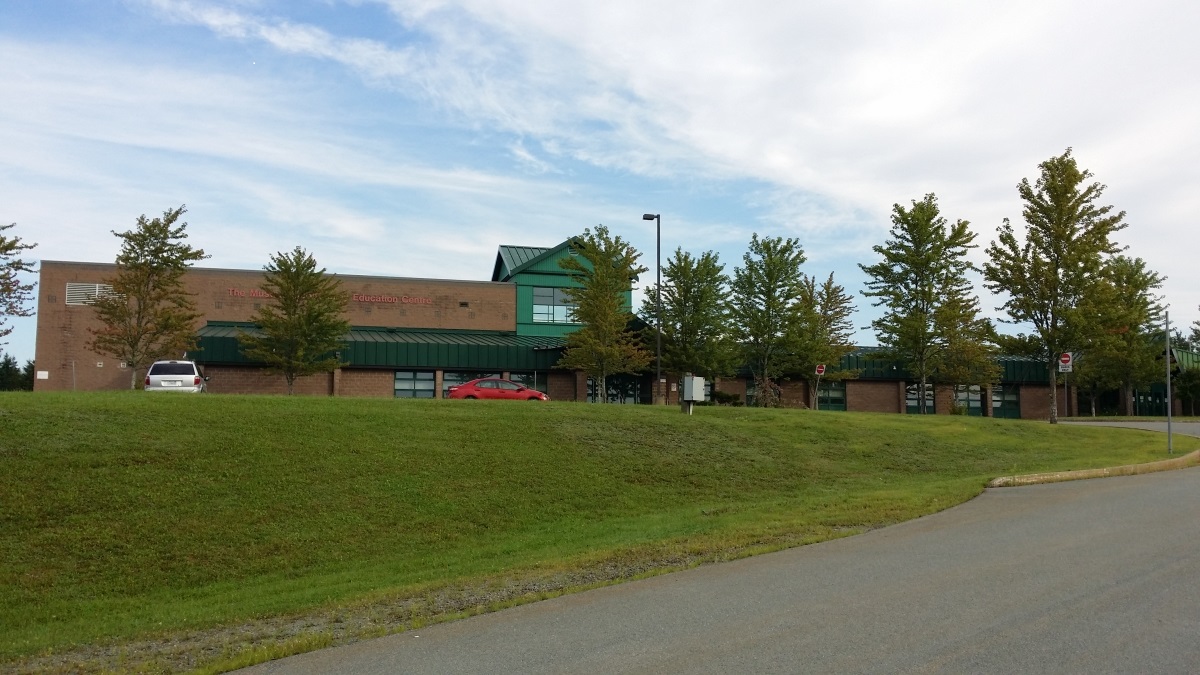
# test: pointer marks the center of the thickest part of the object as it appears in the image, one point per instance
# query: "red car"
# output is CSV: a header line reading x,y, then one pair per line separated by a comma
x,y
494,387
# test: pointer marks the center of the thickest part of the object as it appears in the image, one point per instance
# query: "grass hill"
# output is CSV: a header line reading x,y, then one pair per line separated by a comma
x,y
126,515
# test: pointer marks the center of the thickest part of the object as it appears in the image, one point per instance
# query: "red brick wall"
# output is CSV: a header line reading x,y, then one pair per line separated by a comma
x,y
793,394
1035,401
943,399
731,386
564,386
376,383
874,396
227,295
242,380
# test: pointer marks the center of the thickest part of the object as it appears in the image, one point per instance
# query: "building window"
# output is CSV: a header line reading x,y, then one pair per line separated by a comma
x,y
831,395
912,395
534,380
552,305
621,389
414,384
1006,401
451,378
968,399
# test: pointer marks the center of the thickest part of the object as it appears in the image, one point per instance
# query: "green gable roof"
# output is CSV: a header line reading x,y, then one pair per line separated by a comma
x,y
512,260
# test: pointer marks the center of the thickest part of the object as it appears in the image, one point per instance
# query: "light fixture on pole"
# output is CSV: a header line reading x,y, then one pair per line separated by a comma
x,y
657,218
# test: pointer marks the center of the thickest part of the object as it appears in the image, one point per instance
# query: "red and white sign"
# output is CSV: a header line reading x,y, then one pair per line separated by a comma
x,y
820,368
1065,361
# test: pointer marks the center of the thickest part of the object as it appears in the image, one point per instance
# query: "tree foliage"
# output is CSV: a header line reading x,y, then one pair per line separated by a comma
x,y
822,331
13,377
930,318
14,293
148,315
302,327
1125,344
967,352
1186,388
764,301
604,345
696,332
1048,274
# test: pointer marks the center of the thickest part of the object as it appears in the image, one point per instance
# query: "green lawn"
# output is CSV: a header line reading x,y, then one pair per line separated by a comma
x,y
127,514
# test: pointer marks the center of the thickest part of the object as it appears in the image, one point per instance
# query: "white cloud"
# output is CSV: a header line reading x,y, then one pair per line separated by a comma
x,y
800,119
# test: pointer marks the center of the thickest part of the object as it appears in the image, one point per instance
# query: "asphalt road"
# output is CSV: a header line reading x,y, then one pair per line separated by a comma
x,y
1092,576
1185,428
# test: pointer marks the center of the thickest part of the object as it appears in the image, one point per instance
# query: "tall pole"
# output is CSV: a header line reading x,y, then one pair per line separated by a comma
x,y
1167,328
658,292
657,218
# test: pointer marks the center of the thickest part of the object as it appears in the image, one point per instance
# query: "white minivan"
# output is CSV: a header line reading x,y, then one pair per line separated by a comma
x,y
181,376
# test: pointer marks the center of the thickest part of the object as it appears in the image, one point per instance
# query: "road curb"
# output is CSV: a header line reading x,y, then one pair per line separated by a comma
x,y
1182,462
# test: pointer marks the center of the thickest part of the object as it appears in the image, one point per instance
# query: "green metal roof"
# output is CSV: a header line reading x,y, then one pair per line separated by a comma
x,y
381,347
1186,360
511,258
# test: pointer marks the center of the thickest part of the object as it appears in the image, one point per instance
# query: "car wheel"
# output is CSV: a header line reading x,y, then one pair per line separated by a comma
x,y
470,397
534,398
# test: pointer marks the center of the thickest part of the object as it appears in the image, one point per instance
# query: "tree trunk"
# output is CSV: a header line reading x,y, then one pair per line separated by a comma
x,y
133,378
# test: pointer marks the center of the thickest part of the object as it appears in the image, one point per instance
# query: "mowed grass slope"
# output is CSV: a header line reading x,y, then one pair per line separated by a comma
x,y
126,514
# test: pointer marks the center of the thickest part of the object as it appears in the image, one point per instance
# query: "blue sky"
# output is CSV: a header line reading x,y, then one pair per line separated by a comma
x,y
411,138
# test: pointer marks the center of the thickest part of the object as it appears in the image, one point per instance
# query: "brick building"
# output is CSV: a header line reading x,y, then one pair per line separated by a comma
x,y
409,337
414,338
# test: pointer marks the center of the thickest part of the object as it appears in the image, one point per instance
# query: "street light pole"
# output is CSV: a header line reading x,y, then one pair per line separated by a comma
x,y
657,218
1167,336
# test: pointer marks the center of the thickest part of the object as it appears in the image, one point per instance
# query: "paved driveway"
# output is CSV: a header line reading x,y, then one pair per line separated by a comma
x,y
1185,428
1079,577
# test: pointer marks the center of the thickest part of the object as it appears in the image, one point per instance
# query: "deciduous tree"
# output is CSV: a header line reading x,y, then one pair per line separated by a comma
x,y
604,345
14,292
302,326
764,299
148,314
921,283
1125,340
695,314
822,332
1047,274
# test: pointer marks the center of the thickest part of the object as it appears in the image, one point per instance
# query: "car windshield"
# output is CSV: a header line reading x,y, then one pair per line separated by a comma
x,y
172,369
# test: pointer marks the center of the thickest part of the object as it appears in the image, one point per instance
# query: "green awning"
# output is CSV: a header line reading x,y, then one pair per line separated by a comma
x,y
373,347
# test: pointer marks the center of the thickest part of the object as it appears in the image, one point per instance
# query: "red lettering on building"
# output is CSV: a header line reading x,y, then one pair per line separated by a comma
x,y
391,299
253,293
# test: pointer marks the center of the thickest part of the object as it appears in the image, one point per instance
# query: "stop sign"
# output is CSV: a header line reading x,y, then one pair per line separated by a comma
x,y
820,368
